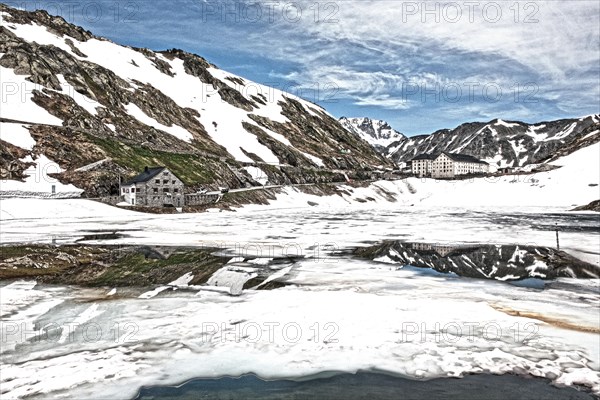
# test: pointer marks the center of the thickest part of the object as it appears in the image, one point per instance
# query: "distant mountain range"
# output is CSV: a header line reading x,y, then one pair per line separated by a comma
x,y
500,143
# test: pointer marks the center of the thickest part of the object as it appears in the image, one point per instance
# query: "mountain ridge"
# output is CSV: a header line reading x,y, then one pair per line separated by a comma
x,y
501,143
378,133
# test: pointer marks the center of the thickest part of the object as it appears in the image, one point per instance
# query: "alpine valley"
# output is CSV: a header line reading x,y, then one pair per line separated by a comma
x,y
172,230
88,111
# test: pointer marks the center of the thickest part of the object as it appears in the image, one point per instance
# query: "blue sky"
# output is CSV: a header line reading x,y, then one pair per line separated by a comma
x,y
420,66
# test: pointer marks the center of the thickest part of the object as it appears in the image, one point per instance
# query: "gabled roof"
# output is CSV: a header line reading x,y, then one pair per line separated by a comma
x,y
464,158
425,156
452,156
145,176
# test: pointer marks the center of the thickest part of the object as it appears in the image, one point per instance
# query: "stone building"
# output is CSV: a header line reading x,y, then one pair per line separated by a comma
x,y
447,165
155,187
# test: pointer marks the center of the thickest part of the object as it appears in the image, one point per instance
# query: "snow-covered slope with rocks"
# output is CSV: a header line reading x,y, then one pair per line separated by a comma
x,y
502,143
76,99
498,142
377,133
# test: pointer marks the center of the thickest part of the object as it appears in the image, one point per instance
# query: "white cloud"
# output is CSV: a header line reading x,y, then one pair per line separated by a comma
x,y
376,47
383,101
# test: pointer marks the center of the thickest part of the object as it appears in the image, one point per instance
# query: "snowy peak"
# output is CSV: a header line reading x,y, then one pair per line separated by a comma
x,y
503,143
376,132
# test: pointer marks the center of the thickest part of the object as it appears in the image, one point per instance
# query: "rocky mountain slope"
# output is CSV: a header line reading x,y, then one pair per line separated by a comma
x,y
376,132
500,143
86,111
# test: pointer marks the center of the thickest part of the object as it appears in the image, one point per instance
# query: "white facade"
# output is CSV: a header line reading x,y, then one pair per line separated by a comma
x,y
447,166
442,167
421,167
128,193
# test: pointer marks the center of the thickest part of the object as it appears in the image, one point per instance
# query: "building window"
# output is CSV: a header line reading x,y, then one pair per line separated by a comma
x,y
173,182
166,190
157,181
165,181
155,190
175,190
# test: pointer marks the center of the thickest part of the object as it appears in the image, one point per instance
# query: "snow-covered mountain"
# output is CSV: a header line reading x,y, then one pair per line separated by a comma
x,y
377,133
502,143
93,109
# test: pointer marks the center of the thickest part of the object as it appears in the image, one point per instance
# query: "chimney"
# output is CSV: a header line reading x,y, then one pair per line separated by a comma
x,y
146,169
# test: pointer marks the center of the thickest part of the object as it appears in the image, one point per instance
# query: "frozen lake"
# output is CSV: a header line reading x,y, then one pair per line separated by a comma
x,y
333,311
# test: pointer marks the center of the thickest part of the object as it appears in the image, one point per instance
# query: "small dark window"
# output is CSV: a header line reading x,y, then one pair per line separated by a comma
x,y
173,182
157,181
165,181
166,190
155,190
176,190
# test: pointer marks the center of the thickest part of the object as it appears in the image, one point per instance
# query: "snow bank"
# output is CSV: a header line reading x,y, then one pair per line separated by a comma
x,y
17,135
174,130
82,100
50,209
257,174
38,182
16,100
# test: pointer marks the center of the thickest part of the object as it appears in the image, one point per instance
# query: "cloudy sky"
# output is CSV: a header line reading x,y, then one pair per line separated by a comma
x,y
420,66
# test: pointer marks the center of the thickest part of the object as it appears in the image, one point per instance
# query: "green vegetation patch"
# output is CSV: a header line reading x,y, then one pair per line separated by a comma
x,y
192,169
115,266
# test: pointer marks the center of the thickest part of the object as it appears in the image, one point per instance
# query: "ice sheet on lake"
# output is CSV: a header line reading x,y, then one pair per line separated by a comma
x,y
341,316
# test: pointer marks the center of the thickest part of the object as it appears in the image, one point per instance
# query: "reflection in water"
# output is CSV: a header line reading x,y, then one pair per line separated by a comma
x,y
502,262
365,386
139,266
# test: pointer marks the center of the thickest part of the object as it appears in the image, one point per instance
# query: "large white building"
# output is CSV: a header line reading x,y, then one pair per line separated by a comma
x,y
447,165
